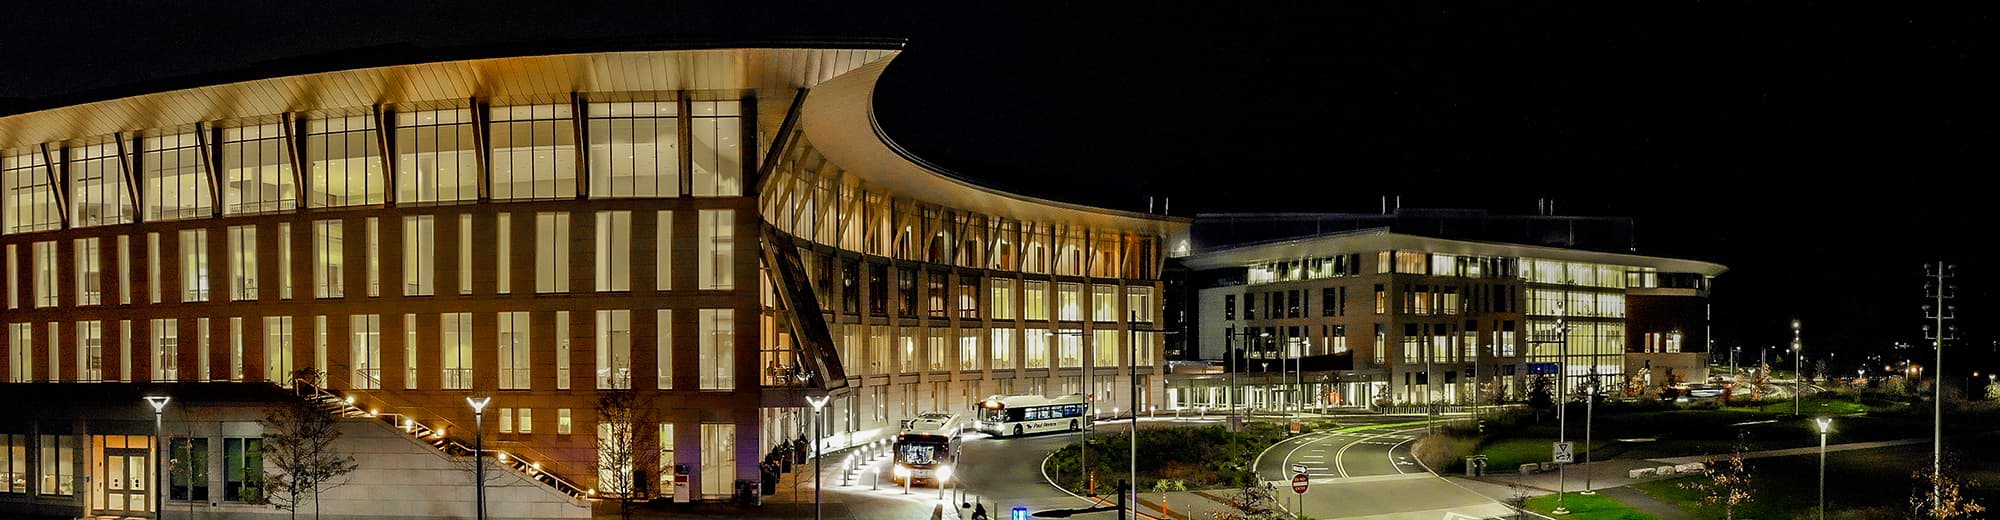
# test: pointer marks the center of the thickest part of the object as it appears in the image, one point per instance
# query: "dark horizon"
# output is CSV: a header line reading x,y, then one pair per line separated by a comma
x,y
1823,153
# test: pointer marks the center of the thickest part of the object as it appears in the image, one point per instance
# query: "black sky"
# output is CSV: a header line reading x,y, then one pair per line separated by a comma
x,y
1823,151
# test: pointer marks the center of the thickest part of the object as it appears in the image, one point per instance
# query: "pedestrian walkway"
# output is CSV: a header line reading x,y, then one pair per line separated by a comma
x,y
1789,452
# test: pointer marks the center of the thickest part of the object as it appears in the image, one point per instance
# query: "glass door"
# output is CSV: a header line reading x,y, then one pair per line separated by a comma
x,y
125,484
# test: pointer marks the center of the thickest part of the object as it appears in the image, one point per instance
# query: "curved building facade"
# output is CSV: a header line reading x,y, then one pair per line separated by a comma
x,y
720,232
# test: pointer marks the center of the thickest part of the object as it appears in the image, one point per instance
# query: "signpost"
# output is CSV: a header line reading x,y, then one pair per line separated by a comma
x,y
1299,485
1565,452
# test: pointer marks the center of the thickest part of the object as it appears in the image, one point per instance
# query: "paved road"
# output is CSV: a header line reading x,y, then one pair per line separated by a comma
x,y
1369,474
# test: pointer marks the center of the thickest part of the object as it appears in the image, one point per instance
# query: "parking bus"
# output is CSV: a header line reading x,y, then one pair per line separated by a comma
x,y
926,448
1015,415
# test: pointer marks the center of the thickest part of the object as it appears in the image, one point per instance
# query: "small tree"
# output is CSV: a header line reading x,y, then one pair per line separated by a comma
x,y
1724,482
622,447
300,454
1940,495
1541,395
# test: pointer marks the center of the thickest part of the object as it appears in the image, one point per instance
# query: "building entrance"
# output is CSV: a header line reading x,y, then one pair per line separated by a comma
x,y
127,484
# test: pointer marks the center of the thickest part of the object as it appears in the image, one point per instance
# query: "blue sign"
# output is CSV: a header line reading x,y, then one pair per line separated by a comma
x,y
1542,368
1020,513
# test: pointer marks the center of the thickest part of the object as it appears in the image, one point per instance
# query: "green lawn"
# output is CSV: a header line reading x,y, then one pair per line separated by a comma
x,y
1588,507
1509,454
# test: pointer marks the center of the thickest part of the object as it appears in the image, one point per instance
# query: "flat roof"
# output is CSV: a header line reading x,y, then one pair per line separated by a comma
x,y
1381,239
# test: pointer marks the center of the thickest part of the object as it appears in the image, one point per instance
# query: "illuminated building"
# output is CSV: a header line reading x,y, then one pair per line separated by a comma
x,y
723,231
1410,307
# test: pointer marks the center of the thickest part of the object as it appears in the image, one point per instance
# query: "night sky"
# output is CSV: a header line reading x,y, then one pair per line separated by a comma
x,y
1823,152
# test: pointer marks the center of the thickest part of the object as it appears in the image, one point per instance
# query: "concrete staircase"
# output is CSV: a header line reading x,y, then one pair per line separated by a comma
x,y
344,406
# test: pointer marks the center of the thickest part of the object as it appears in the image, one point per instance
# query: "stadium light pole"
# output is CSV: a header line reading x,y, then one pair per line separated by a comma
x,y
818,403
479,450
159,403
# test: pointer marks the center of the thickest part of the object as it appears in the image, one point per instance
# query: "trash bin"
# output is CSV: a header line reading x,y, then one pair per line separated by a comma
x,y
746,493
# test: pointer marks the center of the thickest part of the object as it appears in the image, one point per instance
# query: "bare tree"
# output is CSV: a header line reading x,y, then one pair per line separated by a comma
x,y
1724,482
1253,502
622,447
300,454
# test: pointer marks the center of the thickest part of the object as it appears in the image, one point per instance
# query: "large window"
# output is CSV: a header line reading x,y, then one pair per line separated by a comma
x,y
242,469
1037,348
634,149
464,254
534,153
1035,299
1069,344
166,350
242,263
328,259
44,258
257,170
278,349
174,185
1104,348
87,272
1003,349
285,260
20,352
97,191
1139,303
562,350
436,160
366,350
718,459
344,164
14,464
503,282
515,346
663,347
718,151
1104,303
718,349
968,349
30,200
124,271
1003,298
420,255
372,250
409,351
194,265
90,351
1069,301
455,338
59,464
614,349
187,468
663,259
551,252
614,251
717,245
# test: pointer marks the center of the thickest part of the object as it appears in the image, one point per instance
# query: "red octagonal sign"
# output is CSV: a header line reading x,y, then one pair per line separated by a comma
x,y
1299,483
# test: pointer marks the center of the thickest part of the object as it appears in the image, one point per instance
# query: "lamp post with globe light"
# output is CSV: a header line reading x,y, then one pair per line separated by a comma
x,y
818,403
1825,426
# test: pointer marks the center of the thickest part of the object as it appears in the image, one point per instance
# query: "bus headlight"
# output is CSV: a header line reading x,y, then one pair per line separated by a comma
x,y
902,471
944,473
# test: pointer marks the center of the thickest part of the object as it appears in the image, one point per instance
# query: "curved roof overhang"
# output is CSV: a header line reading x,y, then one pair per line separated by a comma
x,y
548,77
839,120
1381,239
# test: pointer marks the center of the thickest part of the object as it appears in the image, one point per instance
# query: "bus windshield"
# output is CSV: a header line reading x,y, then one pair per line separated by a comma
x,y
923,451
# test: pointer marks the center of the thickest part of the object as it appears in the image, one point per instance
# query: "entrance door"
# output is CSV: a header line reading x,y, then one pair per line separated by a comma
x,y
126,486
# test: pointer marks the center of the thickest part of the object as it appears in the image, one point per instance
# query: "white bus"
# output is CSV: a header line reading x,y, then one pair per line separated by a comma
x,y
1004,415
926,447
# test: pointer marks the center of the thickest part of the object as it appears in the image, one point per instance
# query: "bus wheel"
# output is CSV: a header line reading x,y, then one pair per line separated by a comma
x,y
1072,425
1017,430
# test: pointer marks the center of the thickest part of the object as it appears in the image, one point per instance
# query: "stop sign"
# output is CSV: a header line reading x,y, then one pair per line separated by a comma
x,y
1299,483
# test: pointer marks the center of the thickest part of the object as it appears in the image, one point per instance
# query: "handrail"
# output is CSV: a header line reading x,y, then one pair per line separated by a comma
x,y
442,442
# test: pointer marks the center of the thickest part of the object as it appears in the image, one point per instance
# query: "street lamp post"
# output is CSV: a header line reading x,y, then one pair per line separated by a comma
x,y
159,403
1825,425
1132,362
818,403
479,451
1562,406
